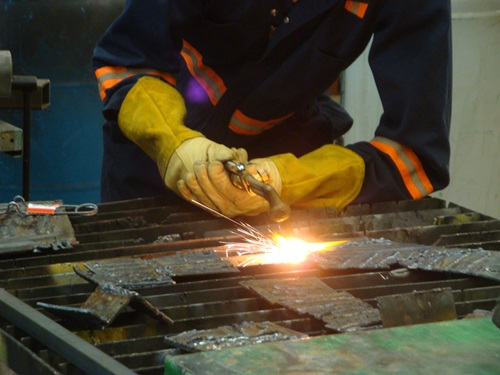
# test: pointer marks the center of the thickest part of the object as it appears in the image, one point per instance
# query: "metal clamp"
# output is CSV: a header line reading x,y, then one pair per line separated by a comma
x,y
18,204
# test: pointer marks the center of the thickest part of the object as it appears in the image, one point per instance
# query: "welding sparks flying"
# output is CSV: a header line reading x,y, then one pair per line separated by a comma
x,y
267,248
271,248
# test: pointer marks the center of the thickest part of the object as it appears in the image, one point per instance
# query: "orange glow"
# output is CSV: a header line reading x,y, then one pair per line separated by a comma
x,y
275,249
295,250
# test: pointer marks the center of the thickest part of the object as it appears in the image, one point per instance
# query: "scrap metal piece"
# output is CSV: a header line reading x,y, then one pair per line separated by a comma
x,y
191,263
418,307
19,232
475,262
247,333
382,254
339,309
129,273
155,271
103,306
364,254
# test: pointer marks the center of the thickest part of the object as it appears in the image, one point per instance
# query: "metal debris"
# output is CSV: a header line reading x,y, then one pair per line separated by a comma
x,y
340,310
168,238
476,262
19,232
418,307
382,254
247,333
191,263
103,306
135,273
129,273
115,276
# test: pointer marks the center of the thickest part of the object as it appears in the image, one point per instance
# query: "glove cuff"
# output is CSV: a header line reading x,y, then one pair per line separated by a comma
x,y
331,176
152,117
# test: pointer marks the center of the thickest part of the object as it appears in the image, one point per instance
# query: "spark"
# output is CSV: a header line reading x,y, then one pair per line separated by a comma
x,y
267,248
271,248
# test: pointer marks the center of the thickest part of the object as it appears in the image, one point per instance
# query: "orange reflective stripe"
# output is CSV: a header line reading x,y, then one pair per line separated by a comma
x,y
408,165
109,69
109,76
106,85
212,84
419,170
242,124
356,7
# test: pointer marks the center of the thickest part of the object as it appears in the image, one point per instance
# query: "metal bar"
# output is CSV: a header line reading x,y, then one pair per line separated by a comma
x,y
40,99
81,353
26,143
21,360
26,84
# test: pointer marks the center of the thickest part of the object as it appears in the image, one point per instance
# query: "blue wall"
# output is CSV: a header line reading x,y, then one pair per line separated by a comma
x,y
65,148
54,40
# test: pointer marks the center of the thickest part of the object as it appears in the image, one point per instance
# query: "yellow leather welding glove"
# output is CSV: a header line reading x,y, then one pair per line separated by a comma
x,y
211,185
330,176
152,116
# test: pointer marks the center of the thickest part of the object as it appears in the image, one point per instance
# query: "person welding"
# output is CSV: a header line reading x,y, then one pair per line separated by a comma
x,y
188,85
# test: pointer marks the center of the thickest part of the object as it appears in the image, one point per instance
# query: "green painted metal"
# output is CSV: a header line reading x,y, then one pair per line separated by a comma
x,y
468,346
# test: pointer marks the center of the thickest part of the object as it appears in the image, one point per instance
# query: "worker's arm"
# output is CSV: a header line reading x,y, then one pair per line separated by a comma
x,y
152,116
143,41
411,62
135,63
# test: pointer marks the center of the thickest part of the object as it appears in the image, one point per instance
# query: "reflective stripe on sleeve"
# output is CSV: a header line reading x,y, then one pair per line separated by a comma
x,y
243,124
357,8
408,165
109,76
212,84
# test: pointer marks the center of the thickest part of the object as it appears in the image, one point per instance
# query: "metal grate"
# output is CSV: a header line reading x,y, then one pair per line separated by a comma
x,y
147,230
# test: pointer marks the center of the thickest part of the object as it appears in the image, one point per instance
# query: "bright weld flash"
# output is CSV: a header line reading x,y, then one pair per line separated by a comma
x,y
294,250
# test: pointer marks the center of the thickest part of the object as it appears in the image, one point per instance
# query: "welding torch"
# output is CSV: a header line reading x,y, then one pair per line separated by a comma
x,y
243,179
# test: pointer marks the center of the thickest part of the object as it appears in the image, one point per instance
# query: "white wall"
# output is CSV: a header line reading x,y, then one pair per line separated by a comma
x,y
475,130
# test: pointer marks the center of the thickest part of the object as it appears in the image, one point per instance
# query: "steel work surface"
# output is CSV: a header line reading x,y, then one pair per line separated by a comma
x,y
468,346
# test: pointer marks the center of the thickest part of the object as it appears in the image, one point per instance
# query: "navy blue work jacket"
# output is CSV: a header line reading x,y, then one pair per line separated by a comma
x,y
254,73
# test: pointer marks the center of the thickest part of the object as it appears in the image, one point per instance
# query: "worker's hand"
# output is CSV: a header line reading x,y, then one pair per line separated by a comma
x,y
330,176
199,149
211,185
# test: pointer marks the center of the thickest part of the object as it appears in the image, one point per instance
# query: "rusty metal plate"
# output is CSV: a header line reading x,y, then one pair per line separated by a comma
x,y
103,306
247,333
418,307
475,262
144,273
191,263
128,273
341,311
20,232
382,254
286,291
364,254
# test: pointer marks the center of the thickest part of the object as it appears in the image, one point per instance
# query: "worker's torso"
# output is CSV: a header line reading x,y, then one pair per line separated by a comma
x,y
258,63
